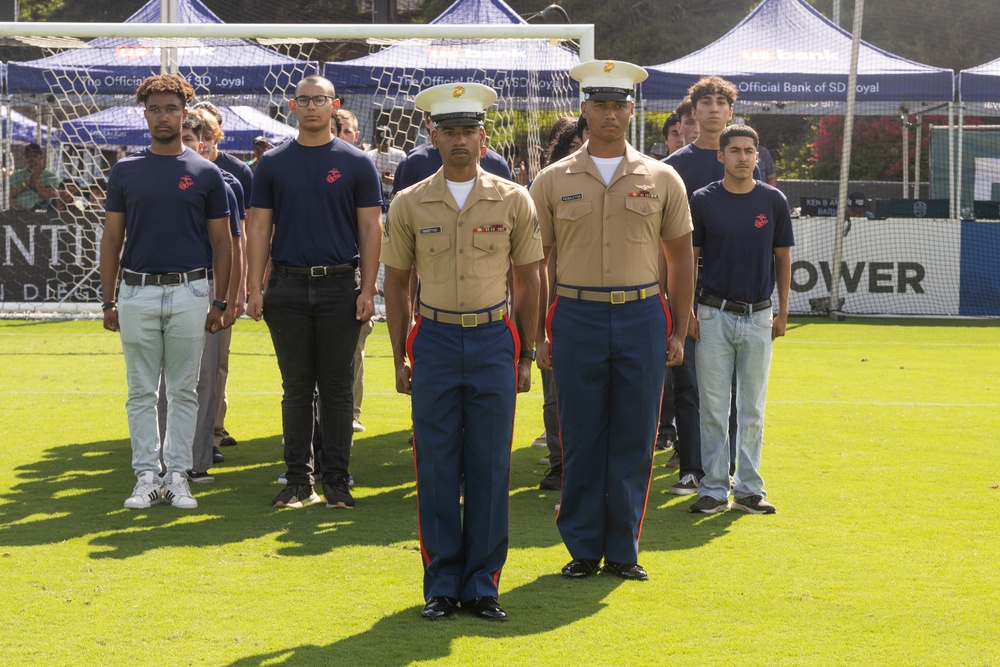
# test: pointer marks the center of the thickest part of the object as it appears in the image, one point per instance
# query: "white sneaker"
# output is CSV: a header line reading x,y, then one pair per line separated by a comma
x,y
177,491
147,492
540,441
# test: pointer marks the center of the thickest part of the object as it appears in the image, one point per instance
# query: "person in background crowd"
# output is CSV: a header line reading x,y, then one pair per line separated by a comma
x,y
768,169
34,186
672,136
689,124
261,145
386,158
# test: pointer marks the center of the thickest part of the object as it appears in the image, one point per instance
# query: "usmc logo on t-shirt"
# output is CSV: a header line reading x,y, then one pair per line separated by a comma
x,y
760,221
186,182
332,175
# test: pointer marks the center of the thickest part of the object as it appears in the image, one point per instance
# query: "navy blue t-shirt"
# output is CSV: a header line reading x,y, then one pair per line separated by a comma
x,y
424,161
698,167
234,211
167,200
315,192
239,212
737,234
240,170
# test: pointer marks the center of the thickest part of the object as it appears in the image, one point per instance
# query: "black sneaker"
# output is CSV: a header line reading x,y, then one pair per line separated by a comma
x,y
753,505
227,440
709,505
217,456
338,493
552,480
296,496
663,443
200,477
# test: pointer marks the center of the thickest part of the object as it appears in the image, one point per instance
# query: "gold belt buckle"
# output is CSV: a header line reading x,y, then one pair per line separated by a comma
x,y
469,320
618,297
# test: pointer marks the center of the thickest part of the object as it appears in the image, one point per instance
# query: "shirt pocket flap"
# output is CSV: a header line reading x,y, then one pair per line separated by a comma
x,y
433,244
574,210
643,205
489,241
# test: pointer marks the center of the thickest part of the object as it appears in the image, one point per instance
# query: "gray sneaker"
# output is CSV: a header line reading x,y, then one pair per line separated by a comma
x,y
709,505
296,496
686,487
753,505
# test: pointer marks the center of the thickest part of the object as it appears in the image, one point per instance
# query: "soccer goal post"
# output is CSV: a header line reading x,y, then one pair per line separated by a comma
x,y
76,102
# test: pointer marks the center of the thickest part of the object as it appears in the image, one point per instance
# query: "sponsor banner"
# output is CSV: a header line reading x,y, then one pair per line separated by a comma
x,y
980,294
50,257
895,267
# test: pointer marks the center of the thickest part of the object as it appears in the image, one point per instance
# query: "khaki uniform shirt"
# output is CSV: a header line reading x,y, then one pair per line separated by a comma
x,y
462,257
608,235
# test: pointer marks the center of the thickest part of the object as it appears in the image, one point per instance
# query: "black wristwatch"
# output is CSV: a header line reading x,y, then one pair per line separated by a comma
x,y
221,305
108,305
528,354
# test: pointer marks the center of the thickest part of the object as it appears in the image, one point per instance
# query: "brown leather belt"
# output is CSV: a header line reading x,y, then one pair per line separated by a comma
x,y
614,296
737,307
134,279
466,320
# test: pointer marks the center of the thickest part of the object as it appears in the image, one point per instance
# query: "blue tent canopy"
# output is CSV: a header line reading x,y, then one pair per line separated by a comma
x,y
117,65
979,88
126,126
23,129
786,57
515,68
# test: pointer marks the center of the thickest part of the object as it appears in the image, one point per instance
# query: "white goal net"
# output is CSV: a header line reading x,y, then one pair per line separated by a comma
x,y
73,96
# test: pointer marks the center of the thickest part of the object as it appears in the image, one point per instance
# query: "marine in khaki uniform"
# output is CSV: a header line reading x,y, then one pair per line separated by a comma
x,y
462,360
605,211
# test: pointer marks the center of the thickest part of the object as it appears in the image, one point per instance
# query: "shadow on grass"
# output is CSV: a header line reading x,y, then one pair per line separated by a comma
x,y
76,491
548,603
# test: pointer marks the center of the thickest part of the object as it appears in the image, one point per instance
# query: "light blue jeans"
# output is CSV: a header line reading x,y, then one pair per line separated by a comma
x,y
742,343
162,327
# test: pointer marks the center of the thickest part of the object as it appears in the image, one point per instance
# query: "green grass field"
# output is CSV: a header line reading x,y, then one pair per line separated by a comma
x,y
880,454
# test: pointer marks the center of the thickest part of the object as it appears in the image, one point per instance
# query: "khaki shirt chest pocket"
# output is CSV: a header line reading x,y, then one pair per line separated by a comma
x,y
642,219
573,225
490,253
434,262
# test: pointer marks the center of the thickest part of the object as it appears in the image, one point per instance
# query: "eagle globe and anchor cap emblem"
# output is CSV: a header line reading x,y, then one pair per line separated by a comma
x,y
456,105
608,80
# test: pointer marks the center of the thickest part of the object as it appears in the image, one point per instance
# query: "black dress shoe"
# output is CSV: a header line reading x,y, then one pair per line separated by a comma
x,y
217,456
629,572
439,607
486,608
579,568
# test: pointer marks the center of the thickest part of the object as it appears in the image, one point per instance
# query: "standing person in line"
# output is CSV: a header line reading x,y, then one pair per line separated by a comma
x,y
697,163
203,449
211,136
387,158
768,169
689,124
462,361
607,210
347,130
167,230
322,202
564,139
743,232
672,136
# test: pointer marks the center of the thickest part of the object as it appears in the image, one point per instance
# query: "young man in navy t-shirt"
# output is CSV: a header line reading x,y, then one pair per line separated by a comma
x,y
697,163
168,208
743,233
322,199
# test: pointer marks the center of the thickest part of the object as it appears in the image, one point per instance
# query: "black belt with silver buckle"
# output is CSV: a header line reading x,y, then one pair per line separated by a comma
x,y
466,320
135,279
737,307
614,296
316,271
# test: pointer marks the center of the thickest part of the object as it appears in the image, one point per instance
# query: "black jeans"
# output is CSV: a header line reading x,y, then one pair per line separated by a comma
x,y
314,332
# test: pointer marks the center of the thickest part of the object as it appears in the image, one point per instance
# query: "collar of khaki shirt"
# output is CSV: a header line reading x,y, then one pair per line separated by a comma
x,y
483,190
580,162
